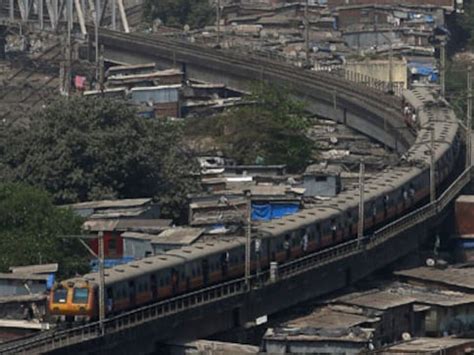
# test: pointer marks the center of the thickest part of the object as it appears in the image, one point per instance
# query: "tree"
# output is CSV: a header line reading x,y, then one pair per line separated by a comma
x,y
466,21
31,228
270,129
81,149
177,13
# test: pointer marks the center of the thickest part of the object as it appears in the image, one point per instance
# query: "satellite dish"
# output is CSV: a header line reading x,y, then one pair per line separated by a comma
x,y
430,262
406,336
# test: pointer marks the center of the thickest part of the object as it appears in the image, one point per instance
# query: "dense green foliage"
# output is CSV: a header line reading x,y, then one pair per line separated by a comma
x,y
177,13
466,22
31,228
84,149
270,129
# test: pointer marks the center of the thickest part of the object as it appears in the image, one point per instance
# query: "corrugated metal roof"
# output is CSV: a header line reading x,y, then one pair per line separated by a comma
x,y
130,202
452,276
179,235
35,269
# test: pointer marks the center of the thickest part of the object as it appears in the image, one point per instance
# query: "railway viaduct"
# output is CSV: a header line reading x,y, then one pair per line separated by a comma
x,y
228,305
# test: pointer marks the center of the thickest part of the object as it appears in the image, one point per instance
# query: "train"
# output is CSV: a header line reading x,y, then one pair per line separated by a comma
x,y
388,195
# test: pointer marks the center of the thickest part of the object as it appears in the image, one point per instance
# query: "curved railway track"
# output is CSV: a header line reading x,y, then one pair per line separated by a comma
x,y
322,86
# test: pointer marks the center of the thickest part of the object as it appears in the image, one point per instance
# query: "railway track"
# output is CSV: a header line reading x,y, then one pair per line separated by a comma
x,y
306,84
325,84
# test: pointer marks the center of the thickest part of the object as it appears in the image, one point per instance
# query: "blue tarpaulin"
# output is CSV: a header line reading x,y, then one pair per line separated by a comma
x,y
466,245
424,69
50,281
269,211
109,263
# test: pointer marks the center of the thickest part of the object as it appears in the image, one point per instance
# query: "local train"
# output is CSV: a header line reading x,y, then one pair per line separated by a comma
x,y
212,260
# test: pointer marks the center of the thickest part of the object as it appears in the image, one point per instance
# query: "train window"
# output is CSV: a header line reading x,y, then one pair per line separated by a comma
x,y
162,283
193,273
198,270
302,232
80,295
167,280
146,287
60,295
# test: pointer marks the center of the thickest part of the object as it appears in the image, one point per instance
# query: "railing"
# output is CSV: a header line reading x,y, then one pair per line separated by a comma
x,y
52,340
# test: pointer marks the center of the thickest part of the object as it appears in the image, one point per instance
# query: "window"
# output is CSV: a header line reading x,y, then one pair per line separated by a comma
x,y
113,245
80,295
60,295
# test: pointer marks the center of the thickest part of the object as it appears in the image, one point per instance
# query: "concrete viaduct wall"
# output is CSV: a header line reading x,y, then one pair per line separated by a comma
x,y
382,126
227,314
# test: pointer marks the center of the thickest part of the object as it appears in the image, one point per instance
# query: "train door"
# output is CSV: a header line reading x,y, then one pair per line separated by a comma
x,y
268,252
132,293
333,231
319,235
205,271
225,264
109,299
174,280
154,286
287,246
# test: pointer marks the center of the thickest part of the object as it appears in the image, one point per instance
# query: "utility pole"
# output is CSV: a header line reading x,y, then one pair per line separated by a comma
x,y
101,283
390,69
68,52
469,119
360,224
432,165
248,240
443,68
306,32
114,15
218,21
96,29
101,70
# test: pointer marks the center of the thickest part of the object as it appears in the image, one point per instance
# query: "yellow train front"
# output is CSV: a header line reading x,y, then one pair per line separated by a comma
x,y
73,301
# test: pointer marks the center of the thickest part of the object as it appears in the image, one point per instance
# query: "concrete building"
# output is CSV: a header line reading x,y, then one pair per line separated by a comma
x,y
141,245
322,180
27,280
448,4
378,70
324,331
394,311
464,221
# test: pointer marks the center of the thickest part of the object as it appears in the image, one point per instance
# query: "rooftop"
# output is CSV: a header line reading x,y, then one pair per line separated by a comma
x,y
179,235
116,224
465,198
381,300
130,202
329,318
428,345
451,276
